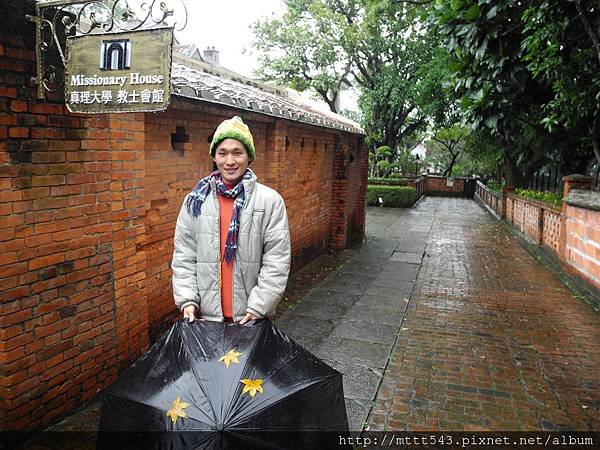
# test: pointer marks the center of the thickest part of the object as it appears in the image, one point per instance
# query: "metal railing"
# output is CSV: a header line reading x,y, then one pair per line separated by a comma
x,y
489,197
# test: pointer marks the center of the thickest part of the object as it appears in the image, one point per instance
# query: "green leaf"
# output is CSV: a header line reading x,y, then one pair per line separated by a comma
x,y
472,13
457,5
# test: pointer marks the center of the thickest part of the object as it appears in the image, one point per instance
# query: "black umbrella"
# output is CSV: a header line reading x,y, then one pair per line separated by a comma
x,y
223,385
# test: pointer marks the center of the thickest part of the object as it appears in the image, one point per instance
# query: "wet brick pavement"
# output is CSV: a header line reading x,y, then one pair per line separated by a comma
x,y
491,340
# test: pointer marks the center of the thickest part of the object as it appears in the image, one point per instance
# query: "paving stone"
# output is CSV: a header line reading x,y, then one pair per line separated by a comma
x,y
307,331
344,278
399,271
411,258
360,382
375,315
398,303
383,291
372,354
358,267
366,331
357,411
346,287
320,295
320,310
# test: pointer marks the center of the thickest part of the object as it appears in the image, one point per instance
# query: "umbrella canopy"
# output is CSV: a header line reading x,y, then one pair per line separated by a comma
x,y
225,381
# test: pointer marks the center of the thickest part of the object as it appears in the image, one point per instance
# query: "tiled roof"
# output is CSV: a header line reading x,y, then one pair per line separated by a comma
x,y
217,85
189,50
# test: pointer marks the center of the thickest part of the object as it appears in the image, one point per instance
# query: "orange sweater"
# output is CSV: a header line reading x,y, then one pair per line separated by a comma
x,y
226,207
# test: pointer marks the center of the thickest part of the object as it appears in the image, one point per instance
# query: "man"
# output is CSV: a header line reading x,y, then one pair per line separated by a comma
x,y
232,242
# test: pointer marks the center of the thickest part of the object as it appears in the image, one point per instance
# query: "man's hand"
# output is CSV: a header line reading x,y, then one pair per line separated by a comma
x,y
248,317
189,312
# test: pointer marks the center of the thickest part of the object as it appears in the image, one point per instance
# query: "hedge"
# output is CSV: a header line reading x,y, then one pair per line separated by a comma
x,y
392,196
546,197
387,181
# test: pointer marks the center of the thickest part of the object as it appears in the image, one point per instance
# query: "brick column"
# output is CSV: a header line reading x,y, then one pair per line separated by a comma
x,y
339,219
505,192
360,215
576,181
540,225
570,182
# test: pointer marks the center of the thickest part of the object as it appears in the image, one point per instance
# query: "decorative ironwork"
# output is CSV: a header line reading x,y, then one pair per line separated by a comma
x,y
58,19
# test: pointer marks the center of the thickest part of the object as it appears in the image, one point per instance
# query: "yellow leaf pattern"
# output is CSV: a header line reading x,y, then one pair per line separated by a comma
x,y
252,386
177,409
230,357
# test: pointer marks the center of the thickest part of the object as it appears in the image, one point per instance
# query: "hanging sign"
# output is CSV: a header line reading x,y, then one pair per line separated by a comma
x,y
119,72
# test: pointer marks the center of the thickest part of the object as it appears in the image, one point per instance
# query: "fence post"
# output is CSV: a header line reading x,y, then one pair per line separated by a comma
x,y
505,192
570,182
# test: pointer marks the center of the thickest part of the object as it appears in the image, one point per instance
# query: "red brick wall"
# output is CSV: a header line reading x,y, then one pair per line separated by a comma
x,y
58,330
552,227
535,219
438,185
582,249
305,182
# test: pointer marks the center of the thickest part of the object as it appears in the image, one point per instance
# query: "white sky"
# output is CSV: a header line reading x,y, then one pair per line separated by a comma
x,y
225,24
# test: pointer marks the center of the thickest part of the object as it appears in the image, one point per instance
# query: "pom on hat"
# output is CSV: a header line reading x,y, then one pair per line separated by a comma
x,y
233,128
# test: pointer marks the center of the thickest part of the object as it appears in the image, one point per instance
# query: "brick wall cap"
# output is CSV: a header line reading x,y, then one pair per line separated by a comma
x,y
584,199
577,177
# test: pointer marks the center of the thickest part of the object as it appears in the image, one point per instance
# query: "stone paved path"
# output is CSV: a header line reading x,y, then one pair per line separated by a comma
x,y
490,340
351,320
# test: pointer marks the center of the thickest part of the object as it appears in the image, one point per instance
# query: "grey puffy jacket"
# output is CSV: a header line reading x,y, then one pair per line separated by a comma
x,y
262,261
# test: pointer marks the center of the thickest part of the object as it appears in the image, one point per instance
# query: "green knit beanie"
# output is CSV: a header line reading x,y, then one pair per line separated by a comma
x,y
233,128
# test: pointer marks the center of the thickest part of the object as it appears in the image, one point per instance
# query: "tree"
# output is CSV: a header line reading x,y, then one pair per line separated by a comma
x,y
303,49
450,142
493,73
559,54
378,45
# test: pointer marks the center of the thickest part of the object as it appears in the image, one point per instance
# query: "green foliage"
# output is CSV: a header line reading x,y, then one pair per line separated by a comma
x,y
561,49
386,163
392,181
303,49
444,148
546,197
482,155
381,46
392,196
527,75
495,186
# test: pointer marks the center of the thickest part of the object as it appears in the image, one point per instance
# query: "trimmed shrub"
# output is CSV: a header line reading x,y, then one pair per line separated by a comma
x,y
387,181
546,197
392,196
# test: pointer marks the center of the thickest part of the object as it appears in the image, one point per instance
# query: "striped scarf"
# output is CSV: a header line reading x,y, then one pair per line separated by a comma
x,y
198,195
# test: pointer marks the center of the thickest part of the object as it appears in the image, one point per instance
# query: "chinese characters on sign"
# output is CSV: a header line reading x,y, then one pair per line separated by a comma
x,y
123,72
123,96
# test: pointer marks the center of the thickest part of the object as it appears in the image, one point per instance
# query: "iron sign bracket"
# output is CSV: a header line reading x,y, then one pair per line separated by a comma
x,y
55,20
